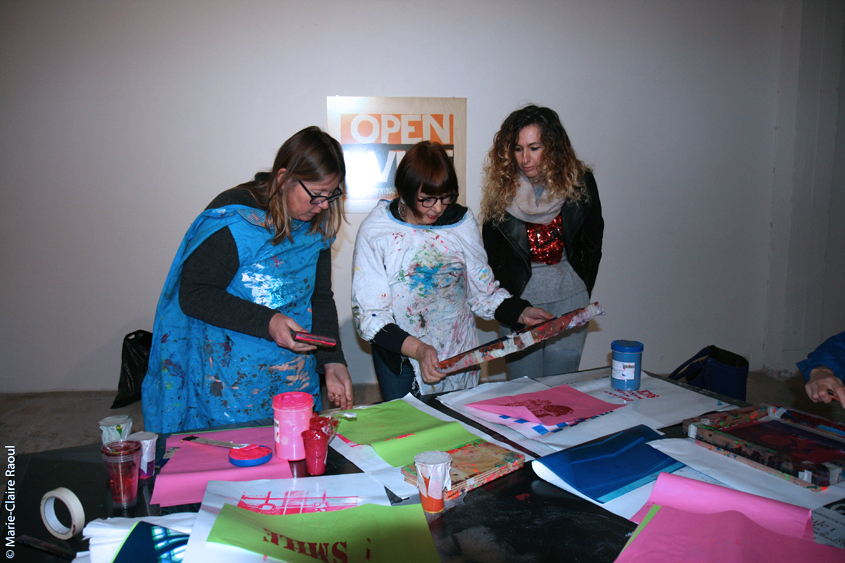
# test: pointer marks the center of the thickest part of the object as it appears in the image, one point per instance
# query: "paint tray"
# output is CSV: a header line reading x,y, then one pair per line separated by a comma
x,y
802,448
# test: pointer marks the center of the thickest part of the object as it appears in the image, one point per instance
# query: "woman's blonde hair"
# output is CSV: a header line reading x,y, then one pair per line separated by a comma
x,y
309,156
560,168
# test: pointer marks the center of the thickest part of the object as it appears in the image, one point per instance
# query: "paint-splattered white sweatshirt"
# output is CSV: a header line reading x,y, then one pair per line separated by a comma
x,y
429,280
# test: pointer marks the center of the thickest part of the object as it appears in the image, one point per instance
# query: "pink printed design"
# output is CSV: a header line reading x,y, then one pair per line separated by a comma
x,y
550,407
295,502
542,409
631,395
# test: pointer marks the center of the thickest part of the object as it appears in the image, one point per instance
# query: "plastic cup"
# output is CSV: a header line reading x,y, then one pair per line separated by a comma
x,y
122,460
148,452
114,428
433,478
291,417
316,450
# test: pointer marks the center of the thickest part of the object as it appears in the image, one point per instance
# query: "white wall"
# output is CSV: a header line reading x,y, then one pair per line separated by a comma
x,y
120,120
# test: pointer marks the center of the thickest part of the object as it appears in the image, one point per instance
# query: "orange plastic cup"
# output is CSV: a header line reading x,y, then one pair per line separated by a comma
x,y
433,478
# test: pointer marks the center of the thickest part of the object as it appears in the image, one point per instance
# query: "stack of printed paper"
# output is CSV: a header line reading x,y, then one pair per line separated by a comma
x,y
539,413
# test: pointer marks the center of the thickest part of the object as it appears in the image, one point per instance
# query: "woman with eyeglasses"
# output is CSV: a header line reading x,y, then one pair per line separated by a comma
x,y
419,274
253,268
542,230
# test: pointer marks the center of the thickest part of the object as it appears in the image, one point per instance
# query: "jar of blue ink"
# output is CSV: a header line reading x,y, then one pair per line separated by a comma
x,y
627,357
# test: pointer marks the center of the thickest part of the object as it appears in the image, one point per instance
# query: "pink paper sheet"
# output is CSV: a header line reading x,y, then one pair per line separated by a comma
x,y
184,477
548,407
677,536
706,498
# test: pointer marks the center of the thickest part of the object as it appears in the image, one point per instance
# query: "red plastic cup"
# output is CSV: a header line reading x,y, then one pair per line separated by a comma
x,y
316,450
122,461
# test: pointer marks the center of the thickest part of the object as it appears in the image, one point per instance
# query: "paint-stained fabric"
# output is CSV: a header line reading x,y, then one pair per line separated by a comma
x,y
429,280
201,375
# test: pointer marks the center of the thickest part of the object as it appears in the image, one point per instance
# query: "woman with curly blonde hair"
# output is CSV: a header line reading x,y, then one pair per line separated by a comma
x,y
542,229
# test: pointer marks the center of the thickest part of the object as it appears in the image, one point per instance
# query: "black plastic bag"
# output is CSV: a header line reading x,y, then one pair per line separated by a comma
x,y
716,370
133,367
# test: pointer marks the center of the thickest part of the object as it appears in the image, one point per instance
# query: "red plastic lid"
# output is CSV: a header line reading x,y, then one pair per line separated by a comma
x,y
122,447
250,455
293,401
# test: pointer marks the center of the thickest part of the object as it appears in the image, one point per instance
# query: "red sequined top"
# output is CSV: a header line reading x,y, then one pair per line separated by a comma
x,y
546,241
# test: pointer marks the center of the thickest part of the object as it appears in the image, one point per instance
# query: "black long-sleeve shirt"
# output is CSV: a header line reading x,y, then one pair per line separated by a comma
x,y
208,271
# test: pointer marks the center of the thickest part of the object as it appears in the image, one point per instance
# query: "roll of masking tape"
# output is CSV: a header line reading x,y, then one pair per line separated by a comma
x,y
51,521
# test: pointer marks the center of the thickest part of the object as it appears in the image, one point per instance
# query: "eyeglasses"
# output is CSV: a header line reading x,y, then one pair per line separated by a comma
x,y
318,199
446,200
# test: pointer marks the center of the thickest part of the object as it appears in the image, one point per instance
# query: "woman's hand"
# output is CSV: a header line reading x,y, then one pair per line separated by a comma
x,y
339,385
280,331
821,380
426,355
534,315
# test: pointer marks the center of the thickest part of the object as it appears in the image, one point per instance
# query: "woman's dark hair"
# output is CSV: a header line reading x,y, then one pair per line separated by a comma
x,y
310,155
425,169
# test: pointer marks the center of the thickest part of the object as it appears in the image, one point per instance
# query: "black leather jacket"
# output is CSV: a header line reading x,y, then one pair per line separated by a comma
x,y
507,249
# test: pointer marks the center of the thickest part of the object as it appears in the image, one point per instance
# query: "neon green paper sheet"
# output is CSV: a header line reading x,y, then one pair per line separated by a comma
x,y
368,532
398,431
646,519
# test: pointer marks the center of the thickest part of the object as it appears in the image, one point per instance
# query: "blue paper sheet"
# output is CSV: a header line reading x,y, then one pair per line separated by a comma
x,y
610,467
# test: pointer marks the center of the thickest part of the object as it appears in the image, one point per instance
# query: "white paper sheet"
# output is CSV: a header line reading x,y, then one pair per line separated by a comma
x,y
311,493
106,536
669,405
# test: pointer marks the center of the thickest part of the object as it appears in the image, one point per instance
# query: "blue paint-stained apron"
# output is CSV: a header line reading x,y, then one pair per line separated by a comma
x,y
200,375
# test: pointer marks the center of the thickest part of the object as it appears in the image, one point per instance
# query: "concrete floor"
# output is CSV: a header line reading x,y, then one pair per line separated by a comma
x,y
34,422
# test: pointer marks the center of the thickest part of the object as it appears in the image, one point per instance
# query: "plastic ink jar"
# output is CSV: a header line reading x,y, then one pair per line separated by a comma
x,y
625,367
291,417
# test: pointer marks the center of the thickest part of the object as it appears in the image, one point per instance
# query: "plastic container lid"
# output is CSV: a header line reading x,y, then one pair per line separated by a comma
x,y
432,458
121,448
293,401
115,420
626,346
250,456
